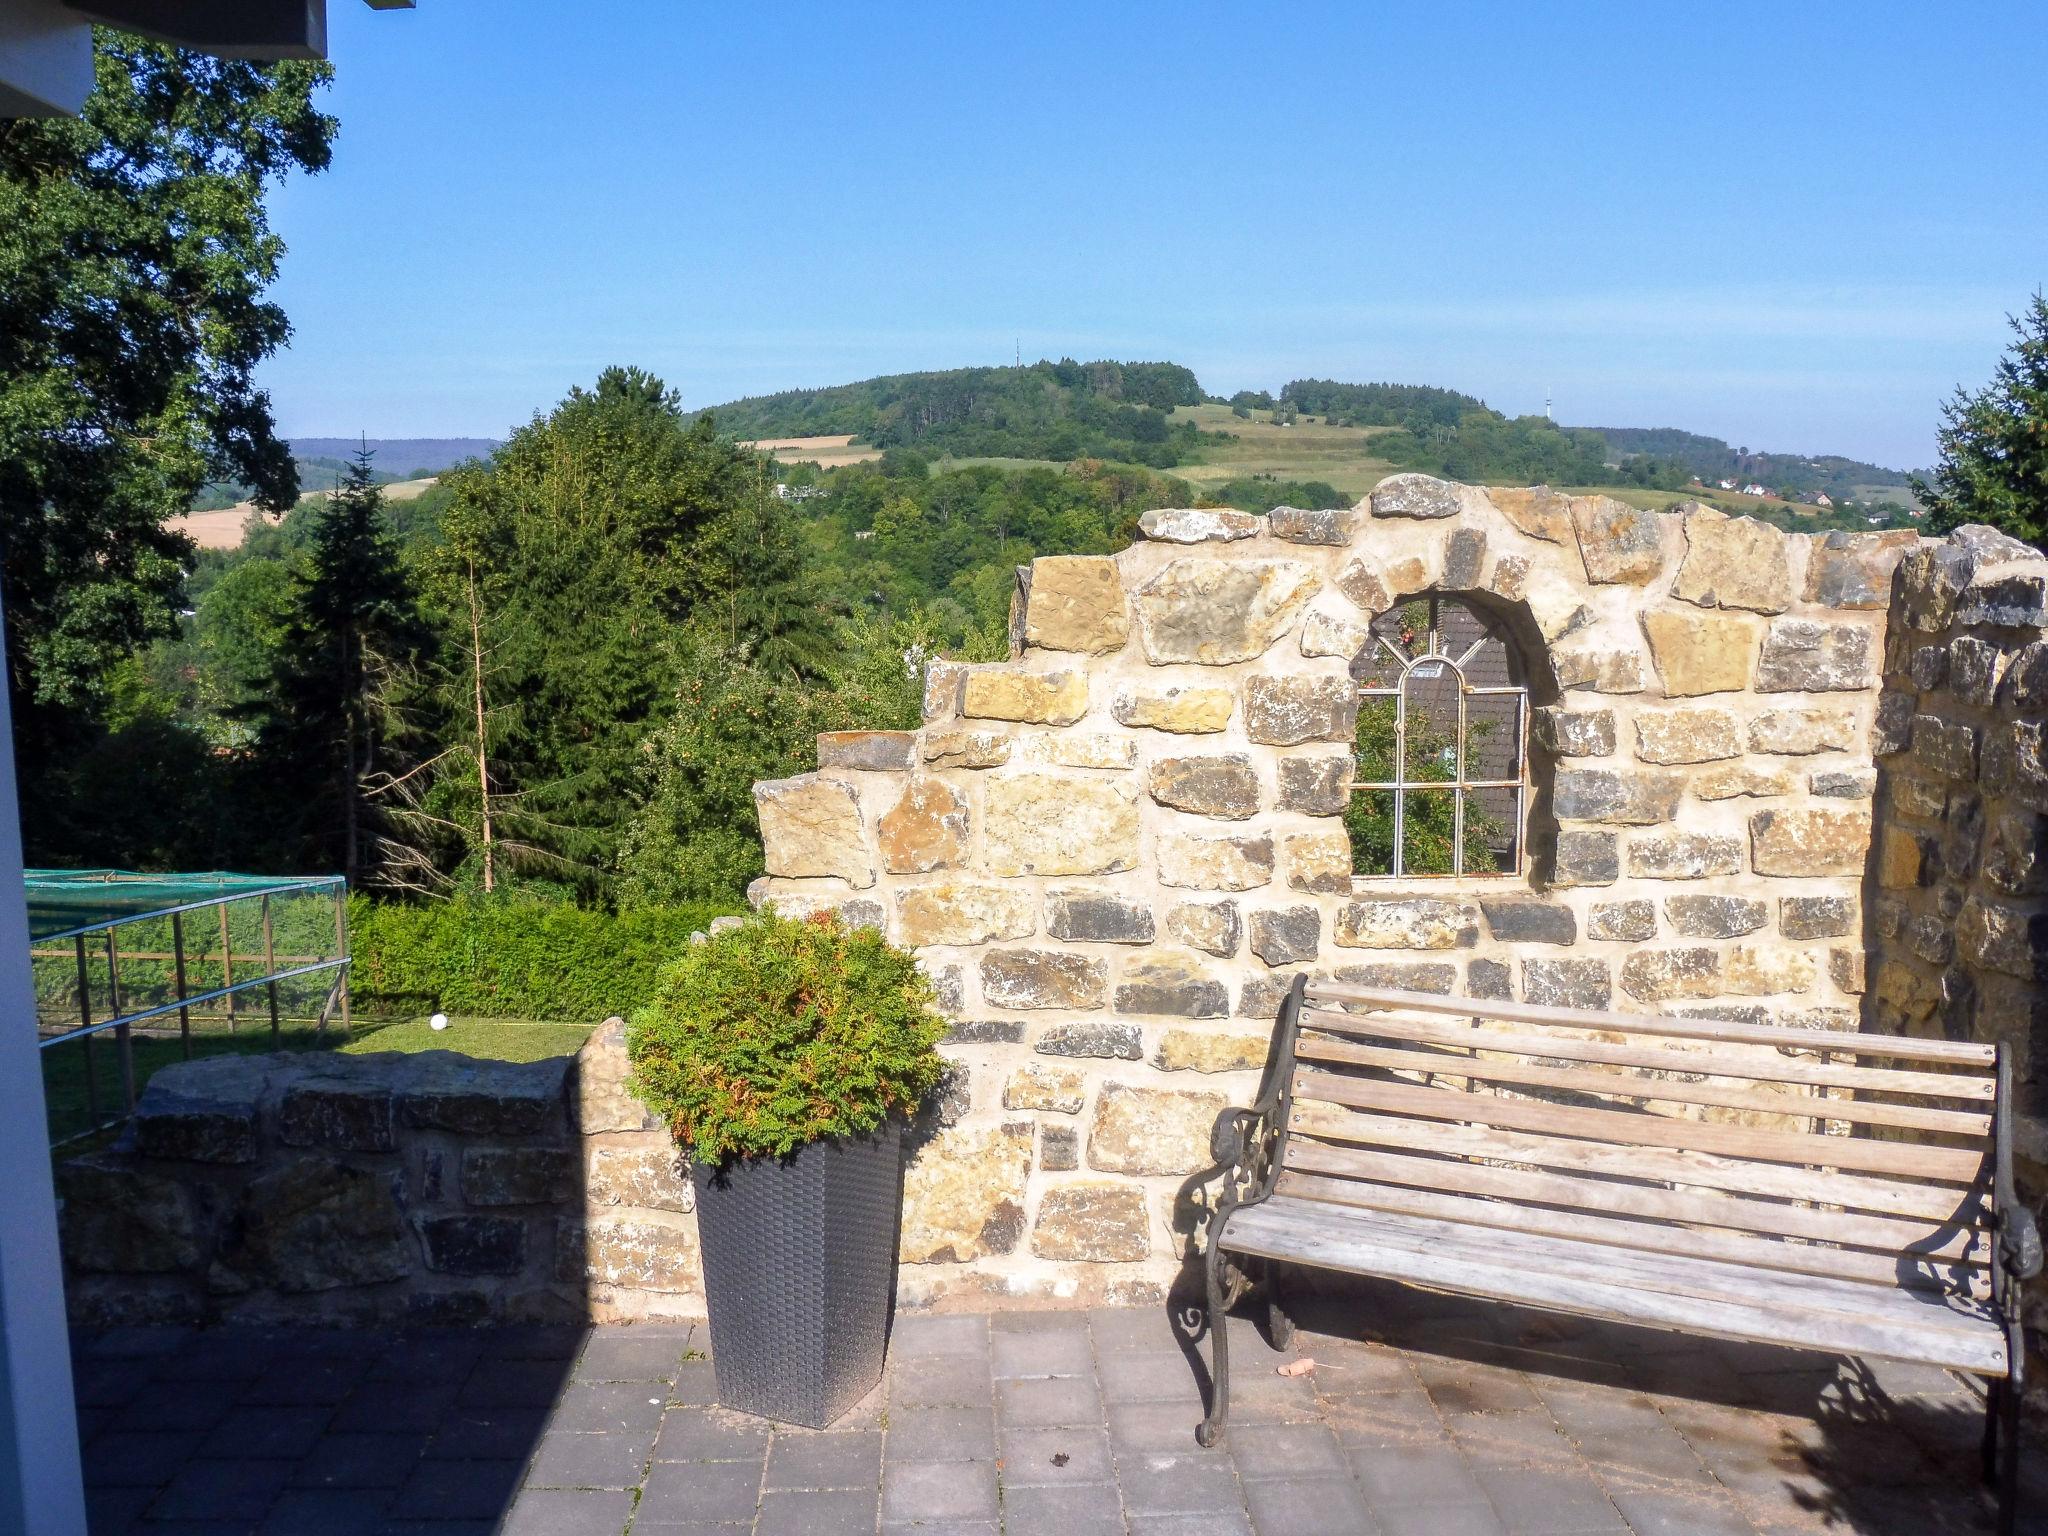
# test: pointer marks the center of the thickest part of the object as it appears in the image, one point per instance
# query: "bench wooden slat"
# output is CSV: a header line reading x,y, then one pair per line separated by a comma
x,y
1765,1065
1898,1047
1952,1243
1641,1130
1659,1090
1705,1170
1818,1262
1545,1272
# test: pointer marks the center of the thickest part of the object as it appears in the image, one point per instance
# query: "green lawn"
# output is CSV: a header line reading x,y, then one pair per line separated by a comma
x,y
64,1065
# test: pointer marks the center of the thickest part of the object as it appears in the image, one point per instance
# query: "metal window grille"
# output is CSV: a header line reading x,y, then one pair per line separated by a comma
x,y
1441,787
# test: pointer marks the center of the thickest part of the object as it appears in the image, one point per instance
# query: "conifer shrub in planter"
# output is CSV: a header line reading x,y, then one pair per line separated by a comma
x,y
787,1056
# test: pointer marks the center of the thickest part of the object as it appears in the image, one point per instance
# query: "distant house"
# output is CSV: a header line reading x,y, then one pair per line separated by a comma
x,y
1726,485
1753,489
1822,500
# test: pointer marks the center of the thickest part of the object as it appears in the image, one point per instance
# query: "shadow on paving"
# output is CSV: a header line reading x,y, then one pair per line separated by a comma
x,y
1796,1440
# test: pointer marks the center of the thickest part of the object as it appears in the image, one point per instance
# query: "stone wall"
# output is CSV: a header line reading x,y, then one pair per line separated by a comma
x,y
1958,927
429,1188
1113,851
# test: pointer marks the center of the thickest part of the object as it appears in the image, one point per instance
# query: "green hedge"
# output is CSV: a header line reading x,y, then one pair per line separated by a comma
x,y
513,959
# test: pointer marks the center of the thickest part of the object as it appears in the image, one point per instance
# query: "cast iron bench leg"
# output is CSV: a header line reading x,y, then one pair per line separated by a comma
x,y
1210,1431
1279,1321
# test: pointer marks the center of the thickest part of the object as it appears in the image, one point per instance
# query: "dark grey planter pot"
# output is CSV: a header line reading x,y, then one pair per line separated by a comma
x,y
800,1274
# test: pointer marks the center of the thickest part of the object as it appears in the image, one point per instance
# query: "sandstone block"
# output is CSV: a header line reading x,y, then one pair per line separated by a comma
x,y
2011,940
1368,585
1092,1224
963,912
1632,921
1073,603
1489,978
600,1092
1163,982
1529,920
1225,786
1697,734
1464,559
811,826
1202,1050
1097,917
967,749
1315,785
1661,975
1698,653
652,1176
1567,983
1714,917
1807,656
1536,510
1302,525
1905,861
1151,1130
1816,841
1585,857
867,751
1615,797
1049,824
1184,709
963,1194
311,1223
1190,861
1112,1042
1892,730
1509,577
1415,977
1766,970
1576,732
925,829
1683,856
1200,525
1261,993
1734,562
1842,783
202,1111
519,1175
1319,862
1740,779
649,1251
1816,917
1974,671
985,1032
343,1110
1326,632
1043,978
1415,495
1059,1147
445,1091
1057,1090
1284,935
1945,750
119,1218
1082,749
1618,542
1214,927
473,1245
1408,922
2016,853
2014,600
1854,570
1598,662
1004,692
1286,711
1795,732
1218,612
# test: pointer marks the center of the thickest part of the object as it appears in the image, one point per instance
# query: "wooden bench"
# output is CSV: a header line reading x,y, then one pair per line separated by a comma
x,y
1831,1191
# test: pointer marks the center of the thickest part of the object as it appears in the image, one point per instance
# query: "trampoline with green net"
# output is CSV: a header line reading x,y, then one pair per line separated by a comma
x,y
170,965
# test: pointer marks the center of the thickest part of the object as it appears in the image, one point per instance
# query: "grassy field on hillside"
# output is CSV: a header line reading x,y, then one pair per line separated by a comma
x,y
1340,456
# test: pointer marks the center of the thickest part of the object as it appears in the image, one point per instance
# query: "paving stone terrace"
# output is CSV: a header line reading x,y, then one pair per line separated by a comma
x,y
1442,1418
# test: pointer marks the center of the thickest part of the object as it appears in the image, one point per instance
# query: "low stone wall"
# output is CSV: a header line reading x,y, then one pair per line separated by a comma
x,y
429,1188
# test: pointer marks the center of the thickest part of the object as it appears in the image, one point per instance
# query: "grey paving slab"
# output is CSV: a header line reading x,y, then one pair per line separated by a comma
x,y
1048,1400
944,1433
390,1407
1439,1520
1178,1483
695,1383
1068,1351
222,1490
556,1512
457,1490
620,1405
818,1512
277,1433
930,1380
702,1490
938,1490
1222,1522
581,1459
710,1434
326,1512
359,1461
1055,1458
1263,1452
1309,1507
917,1335
1079,1509
849,1459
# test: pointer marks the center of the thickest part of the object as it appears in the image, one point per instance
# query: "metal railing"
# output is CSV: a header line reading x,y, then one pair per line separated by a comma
x,y
129,974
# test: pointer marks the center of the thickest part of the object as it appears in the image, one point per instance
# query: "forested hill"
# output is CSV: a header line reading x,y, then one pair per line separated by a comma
x,y
1064,410
1712,459
402,458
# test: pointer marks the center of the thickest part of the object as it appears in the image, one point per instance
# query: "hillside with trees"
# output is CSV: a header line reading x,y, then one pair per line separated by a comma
x,y
1714,460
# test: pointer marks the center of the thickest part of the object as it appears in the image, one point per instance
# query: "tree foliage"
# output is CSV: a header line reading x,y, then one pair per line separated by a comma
x,y
135,253
1994,443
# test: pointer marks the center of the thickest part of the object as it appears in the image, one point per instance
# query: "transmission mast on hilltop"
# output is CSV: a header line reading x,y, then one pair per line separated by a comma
x,y
1546,404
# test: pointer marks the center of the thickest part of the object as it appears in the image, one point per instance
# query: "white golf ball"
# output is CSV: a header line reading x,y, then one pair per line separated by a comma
x,y
439,1021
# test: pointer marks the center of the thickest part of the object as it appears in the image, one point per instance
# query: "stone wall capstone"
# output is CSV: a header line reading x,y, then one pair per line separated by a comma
x,y
1113,851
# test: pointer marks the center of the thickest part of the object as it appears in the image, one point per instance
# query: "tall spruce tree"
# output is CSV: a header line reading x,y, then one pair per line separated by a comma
x,y
354,639
1994,443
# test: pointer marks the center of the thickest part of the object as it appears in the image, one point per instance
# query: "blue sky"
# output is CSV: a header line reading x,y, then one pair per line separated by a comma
x,y
1794,227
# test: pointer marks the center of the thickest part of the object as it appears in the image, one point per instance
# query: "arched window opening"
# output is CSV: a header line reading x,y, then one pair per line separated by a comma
x,y
1441,786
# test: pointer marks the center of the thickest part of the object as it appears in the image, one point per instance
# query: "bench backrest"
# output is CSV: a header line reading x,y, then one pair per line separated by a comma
x,y
1850,1155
